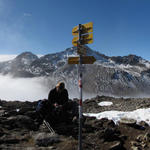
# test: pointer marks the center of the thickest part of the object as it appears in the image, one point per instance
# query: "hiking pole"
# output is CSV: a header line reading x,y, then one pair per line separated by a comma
x,y
49,127
47,124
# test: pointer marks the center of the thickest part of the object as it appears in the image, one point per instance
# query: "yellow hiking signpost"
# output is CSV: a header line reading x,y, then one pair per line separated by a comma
x,y
86,28
85,60
85,39
83,34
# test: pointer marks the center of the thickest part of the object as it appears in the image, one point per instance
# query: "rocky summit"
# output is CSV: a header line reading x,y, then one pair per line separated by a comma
x,y
20,130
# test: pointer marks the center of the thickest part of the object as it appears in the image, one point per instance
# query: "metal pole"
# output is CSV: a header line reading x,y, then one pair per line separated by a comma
x,y
80,90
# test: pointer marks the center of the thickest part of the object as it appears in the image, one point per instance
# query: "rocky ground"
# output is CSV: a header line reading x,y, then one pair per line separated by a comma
x,y
120,104
19,128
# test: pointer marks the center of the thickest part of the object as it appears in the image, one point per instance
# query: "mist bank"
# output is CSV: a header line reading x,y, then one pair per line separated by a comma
x,y
6,57
29,89
33,89
22,89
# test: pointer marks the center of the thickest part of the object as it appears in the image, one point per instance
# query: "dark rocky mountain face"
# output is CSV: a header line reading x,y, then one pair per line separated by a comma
x,y
130,59
118,76
20,66
26,58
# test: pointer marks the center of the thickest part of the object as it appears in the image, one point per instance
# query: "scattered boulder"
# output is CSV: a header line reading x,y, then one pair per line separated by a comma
x,y
19,121
46,139
128,121
117,145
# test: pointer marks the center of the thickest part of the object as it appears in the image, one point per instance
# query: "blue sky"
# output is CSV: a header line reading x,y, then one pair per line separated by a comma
x,y
121,27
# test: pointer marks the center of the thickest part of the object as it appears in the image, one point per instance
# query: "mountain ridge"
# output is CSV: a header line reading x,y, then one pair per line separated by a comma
x,y
117,75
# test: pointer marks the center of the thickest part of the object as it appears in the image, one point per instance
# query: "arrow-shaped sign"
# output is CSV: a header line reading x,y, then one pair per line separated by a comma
x,y
86,28
85,39
85,60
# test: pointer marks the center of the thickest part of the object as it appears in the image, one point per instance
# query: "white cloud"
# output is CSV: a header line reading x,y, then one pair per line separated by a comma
x,y
6,57
22,89
27,14
10,57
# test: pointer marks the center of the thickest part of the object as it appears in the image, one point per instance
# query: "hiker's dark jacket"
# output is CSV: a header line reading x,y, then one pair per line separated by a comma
x,y
61,98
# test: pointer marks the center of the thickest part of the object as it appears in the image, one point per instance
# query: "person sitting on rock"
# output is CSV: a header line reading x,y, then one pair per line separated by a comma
x,y
58,100
58,96
57,108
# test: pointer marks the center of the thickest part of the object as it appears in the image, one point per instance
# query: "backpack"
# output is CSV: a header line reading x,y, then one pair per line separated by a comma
x,y
42,106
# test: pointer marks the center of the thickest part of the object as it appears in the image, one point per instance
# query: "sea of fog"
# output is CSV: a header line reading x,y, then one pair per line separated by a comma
x,y
6,57
30,89
22,89
11,57
33,89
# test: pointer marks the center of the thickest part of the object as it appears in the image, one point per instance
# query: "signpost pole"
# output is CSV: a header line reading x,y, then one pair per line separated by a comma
x,y
82,35
80,90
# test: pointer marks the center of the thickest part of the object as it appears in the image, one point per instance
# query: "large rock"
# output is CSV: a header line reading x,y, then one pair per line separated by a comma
x,y
128,121
46,139
19,121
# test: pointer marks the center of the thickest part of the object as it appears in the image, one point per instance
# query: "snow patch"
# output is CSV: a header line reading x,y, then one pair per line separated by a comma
x,y
105,103
17,110
139,115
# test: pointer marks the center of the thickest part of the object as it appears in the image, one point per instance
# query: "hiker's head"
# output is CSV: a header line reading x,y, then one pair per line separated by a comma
x,y
60,86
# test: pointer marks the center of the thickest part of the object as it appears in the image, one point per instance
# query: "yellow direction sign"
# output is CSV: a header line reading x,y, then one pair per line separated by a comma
x,y
75,31
85,28
85,60
85,39
75,41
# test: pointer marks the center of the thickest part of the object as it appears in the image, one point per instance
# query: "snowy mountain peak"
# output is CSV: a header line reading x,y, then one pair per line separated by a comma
x,y
89,52
27,55
26,58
